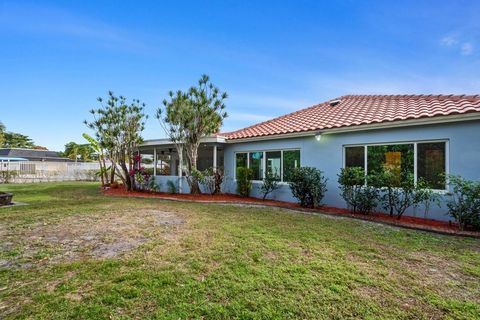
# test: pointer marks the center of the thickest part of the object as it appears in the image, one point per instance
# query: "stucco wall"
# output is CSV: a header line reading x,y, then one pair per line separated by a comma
x,y
327,155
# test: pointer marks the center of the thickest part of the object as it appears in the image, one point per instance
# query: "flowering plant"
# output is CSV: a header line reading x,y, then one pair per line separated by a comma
x,y
140,177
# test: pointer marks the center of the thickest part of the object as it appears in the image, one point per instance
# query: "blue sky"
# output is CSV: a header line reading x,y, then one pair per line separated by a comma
x,y
272,57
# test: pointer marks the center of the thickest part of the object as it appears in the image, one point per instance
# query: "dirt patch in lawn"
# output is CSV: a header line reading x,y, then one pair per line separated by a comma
x,y
85,236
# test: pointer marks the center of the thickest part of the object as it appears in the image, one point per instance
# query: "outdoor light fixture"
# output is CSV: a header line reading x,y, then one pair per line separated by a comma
x,y
318,136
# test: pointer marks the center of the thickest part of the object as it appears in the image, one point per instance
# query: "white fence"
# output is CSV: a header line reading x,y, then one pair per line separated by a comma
x,y
45,171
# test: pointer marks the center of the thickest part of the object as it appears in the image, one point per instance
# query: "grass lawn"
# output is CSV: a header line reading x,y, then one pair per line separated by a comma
x,y
73,253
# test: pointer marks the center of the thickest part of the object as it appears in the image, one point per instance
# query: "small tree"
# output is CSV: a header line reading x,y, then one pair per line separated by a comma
x,y
308,185
244,181
270,184
189,116
118,127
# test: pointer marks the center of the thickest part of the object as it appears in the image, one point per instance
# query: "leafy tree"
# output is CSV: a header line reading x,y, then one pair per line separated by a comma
x,y
189,116
270,184
17,140
118,127
75,151
2,133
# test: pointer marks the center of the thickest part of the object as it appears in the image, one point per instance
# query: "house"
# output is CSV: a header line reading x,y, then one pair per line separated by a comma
x,y
21,154
427,135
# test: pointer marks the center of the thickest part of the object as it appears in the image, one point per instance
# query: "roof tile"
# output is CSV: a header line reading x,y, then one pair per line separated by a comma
x,y
356,110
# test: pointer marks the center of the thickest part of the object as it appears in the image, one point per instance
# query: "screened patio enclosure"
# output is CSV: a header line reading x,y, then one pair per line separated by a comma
x,y
160,158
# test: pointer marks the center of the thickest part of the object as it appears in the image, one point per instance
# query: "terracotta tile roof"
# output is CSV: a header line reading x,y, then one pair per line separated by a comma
x,y
354,110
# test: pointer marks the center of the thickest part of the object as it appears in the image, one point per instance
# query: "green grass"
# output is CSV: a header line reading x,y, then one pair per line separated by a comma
x,y
233,262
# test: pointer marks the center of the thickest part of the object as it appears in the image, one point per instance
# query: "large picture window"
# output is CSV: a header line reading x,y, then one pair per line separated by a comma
x,y
278,162
428,158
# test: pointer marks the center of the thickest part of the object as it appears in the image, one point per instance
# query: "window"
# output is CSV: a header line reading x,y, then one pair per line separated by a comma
x,y
240,160
256,164
291,160
278,162
429,157
431,164
355,157
397,158
274,163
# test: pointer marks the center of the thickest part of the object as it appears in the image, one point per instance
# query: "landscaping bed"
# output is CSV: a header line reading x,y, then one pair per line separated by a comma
x,y
406,221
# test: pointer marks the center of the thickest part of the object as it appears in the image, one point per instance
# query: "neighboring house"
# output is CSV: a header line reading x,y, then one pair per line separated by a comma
x,y
31,155
427,135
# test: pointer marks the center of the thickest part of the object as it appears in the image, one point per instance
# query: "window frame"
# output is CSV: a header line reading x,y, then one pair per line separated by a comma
x,y
264,168
415,155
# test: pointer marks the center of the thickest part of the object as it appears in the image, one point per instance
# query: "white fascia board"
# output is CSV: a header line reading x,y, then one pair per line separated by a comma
x,y
167,142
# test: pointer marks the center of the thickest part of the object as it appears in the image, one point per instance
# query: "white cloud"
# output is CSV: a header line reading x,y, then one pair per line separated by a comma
x,y
466,49
449,41
43,20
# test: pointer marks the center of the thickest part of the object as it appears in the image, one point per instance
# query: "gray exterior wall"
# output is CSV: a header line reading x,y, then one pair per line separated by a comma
x,y
463,155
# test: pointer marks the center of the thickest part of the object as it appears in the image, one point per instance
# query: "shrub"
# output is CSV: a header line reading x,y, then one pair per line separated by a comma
x,y
426,196
244,181
464,202
270,184
399,191
196,178
308,185
172,187
212,180
358,196
152,185
6,176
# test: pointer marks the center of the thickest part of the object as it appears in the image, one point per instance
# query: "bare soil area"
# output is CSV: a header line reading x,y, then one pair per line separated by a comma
x,y
84,236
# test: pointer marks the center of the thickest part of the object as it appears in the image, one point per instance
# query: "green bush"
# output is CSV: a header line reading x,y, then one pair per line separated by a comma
x,y
464,202
308,185
425,195
244,181
6,176
270,184
172,187
398,192
360,197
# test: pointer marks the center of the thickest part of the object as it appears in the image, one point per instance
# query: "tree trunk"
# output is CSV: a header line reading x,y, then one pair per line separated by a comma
x,y
128,180
101,172
194,185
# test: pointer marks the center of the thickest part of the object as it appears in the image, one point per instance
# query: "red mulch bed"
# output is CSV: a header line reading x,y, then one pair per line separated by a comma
x,y
405,221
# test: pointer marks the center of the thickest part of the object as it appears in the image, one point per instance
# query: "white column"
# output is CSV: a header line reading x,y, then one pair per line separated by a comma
x,y
214,157
154,161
